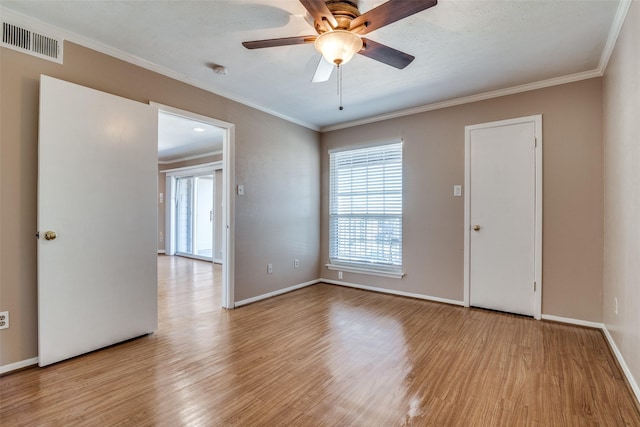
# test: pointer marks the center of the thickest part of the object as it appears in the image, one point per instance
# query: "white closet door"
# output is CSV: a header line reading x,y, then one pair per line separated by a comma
x,y
502,217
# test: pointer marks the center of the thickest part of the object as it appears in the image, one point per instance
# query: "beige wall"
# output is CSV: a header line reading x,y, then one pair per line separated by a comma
x,y
283,169
163,189
277,161
622,192
433,218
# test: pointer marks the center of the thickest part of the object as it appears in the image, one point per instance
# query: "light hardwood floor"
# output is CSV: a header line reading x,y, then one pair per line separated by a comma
x,y
327,356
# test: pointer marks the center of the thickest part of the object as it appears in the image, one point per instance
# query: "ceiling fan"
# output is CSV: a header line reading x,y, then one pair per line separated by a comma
x,y
340,26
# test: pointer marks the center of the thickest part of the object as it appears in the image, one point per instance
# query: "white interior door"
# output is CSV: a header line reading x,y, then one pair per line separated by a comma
x,y
502,194
97,185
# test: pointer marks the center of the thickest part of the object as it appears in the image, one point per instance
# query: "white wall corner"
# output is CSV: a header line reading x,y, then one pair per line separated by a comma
x,y
623,364
612,344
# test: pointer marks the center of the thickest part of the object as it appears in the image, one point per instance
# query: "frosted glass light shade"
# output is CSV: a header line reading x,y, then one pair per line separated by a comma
x,y
338,46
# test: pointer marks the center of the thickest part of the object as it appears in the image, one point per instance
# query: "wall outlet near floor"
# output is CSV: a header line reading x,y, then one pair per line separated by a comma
x,y
296,263
269,268
4,319
340,275
161,236
615,306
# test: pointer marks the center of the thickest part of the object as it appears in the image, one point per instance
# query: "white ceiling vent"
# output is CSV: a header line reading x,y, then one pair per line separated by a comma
x,y
23,39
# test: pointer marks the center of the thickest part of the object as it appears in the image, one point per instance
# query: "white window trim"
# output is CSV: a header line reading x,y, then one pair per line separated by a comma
x,y
367,145
396,272
360,269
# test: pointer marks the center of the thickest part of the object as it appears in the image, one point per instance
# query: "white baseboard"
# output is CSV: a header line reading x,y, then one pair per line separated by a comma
x,y
275,293
571,321
610,341
161,251
18,365
392,292
623,364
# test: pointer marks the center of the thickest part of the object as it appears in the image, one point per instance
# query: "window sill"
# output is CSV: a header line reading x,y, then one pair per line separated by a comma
x,y
365,270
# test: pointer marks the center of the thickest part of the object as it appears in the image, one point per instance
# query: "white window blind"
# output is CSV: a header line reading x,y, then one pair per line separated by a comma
x,y
365,211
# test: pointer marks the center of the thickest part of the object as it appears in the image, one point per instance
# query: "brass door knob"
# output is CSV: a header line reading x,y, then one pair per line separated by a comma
x,y
476,227
50,235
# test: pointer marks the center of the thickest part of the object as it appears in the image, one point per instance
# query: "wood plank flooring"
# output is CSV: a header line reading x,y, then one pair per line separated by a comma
x,y
326,356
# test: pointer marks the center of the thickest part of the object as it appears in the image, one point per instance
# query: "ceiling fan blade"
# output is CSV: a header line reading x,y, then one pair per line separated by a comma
x,y
323,72
285,41
385,54
387,13
320,12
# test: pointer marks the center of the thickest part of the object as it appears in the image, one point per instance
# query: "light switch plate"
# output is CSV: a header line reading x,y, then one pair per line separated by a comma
x,y
457,190
240,190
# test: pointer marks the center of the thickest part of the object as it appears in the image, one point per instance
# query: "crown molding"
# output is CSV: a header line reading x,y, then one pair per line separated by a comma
x,y
135,60
468,99
616,27
184,159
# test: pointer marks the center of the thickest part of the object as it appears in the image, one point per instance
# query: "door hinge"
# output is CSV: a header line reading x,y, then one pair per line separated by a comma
x,y
535,142
534,286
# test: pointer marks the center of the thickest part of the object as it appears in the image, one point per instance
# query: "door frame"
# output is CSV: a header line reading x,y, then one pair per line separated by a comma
x,y
228,184
537,121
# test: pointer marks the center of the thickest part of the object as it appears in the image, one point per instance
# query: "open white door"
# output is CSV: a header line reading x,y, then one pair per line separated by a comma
x,y
503,216
97,179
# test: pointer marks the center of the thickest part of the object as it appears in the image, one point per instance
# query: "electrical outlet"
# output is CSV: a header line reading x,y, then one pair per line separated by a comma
x,y
269,268
4,319
615,306
296,263
340,275
161,236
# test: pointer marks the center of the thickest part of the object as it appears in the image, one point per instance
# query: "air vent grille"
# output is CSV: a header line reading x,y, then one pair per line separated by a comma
x,y
31,42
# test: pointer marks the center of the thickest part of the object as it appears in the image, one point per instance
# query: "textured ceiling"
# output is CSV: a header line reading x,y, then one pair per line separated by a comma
x,y
462,48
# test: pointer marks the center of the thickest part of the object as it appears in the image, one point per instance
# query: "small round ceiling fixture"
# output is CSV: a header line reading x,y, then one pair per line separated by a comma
x,y
219,69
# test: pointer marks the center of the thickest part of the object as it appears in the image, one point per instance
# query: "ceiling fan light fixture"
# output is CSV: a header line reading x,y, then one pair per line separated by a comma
x,y
338,46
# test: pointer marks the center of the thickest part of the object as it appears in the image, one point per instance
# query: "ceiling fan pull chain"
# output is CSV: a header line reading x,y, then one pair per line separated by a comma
x,y
340,86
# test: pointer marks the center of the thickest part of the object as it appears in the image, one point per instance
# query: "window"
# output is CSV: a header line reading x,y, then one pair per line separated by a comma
x,y
365,209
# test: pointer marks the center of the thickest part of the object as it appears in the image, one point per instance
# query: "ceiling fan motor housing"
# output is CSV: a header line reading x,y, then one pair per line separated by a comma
x,y
344,11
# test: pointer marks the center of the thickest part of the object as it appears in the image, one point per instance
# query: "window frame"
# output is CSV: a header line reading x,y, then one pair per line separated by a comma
x,y
363,267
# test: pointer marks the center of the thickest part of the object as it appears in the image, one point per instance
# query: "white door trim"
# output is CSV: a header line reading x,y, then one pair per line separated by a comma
x,y
537,121
228,184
